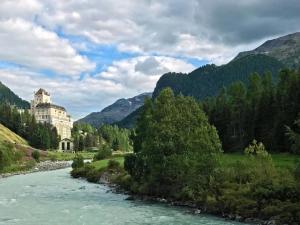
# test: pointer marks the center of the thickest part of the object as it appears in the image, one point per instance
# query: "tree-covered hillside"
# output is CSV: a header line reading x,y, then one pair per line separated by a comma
x,y
208,80
6,95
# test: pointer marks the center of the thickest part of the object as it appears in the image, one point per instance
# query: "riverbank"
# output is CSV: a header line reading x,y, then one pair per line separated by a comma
x,y
278,199
39,167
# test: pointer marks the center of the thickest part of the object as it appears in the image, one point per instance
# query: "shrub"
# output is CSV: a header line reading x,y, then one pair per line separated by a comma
x,y
297,171
103,153
113,164
36,155
78,162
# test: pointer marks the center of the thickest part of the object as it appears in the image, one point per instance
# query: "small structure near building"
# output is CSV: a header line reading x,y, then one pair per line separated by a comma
x,y
46,112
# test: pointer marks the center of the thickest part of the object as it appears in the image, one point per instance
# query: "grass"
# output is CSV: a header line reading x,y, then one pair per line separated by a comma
x,y
281,160
9,136
103,163
67,156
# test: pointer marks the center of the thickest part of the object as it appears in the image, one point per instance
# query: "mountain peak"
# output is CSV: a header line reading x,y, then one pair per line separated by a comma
x,y
285,49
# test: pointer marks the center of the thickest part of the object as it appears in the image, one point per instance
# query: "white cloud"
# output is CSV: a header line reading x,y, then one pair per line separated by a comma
x,y
30,45
81,97
211,30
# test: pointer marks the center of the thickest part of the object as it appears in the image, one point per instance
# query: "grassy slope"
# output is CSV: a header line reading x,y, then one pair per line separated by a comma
x,y
20,145
9,136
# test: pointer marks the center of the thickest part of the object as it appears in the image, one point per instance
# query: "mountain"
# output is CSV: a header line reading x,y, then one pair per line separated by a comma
x,y
116,111
6,95
286,49
209,79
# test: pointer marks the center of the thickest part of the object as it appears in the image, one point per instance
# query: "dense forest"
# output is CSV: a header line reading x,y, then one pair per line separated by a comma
x,y
41,136
6,95
261,109
178,156
208,80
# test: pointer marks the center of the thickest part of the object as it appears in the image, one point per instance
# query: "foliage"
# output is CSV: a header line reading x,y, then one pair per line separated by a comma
x,y
117,137
173,143
294,136
85,136
7,96
103,153
113,164
208,80
8,155
77,161
42,136
36,155
260,110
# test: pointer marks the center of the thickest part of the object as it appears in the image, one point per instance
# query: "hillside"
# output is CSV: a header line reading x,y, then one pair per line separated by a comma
x,y
6,135
6,95
15,153
286,49
209,79
116,111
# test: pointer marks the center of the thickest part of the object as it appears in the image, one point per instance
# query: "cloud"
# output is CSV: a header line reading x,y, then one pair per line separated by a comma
x,y
212,30
92,93
62,45
32,46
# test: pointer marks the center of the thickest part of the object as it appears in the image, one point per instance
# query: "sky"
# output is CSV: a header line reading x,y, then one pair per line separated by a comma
x,y
89,53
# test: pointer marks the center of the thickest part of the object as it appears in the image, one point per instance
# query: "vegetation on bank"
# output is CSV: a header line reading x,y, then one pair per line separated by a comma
x,y
14,152
178,156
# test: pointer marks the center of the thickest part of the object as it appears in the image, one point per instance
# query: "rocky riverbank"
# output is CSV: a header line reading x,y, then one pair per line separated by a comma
x,y
41,166
106,179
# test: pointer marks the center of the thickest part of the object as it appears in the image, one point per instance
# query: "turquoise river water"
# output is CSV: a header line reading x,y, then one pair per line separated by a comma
x,y
54,198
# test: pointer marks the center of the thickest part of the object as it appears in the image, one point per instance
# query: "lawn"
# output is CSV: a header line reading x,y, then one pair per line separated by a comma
x,y
281,160
103,163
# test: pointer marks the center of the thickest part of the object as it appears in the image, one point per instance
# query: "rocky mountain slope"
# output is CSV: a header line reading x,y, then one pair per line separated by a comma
x,y
286,49
116,111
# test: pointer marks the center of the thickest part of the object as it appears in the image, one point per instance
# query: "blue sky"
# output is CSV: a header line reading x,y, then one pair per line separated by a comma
x,y
88,54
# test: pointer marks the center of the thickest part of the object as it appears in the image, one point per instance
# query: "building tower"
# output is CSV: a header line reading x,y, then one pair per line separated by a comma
x,y
46,112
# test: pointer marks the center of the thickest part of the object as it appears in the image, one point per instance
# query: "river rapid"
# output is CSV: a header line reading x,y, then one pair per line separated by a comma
x,y
54,198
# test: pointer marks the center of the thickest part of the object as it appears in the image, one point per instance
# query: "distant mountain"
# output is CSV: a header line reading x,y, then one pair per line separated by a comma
x,y
6,95
116,111
286,49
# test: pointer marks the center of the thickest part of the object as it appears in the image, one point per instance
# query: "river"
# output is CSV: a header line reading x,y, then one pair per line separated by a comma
x,y
54,198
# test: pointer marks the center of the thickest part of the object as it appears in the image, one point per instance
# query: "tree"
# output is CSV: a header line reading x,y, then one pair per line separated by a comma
x,y
78,162
294,137
115,145
174,146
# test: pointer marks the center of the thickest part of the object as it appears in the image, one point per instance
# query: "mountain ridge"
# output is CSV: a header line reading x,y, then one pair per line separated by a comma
x,y
285,49
116,111
8,96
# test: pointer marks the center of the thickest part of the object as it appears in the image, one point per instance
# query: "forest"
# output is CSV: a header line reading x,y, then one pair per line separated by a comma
x,y
263,109
38,135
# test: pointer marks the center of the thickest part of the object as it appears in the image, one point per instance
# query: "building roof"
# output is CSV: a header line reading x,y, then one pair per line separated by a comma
x,y
42,91
49,105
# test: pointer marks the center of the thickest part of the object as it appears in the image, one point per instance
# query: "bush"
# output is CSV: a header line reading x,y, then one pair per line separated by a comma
x,y
36,155
78,162
103,153
113,164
